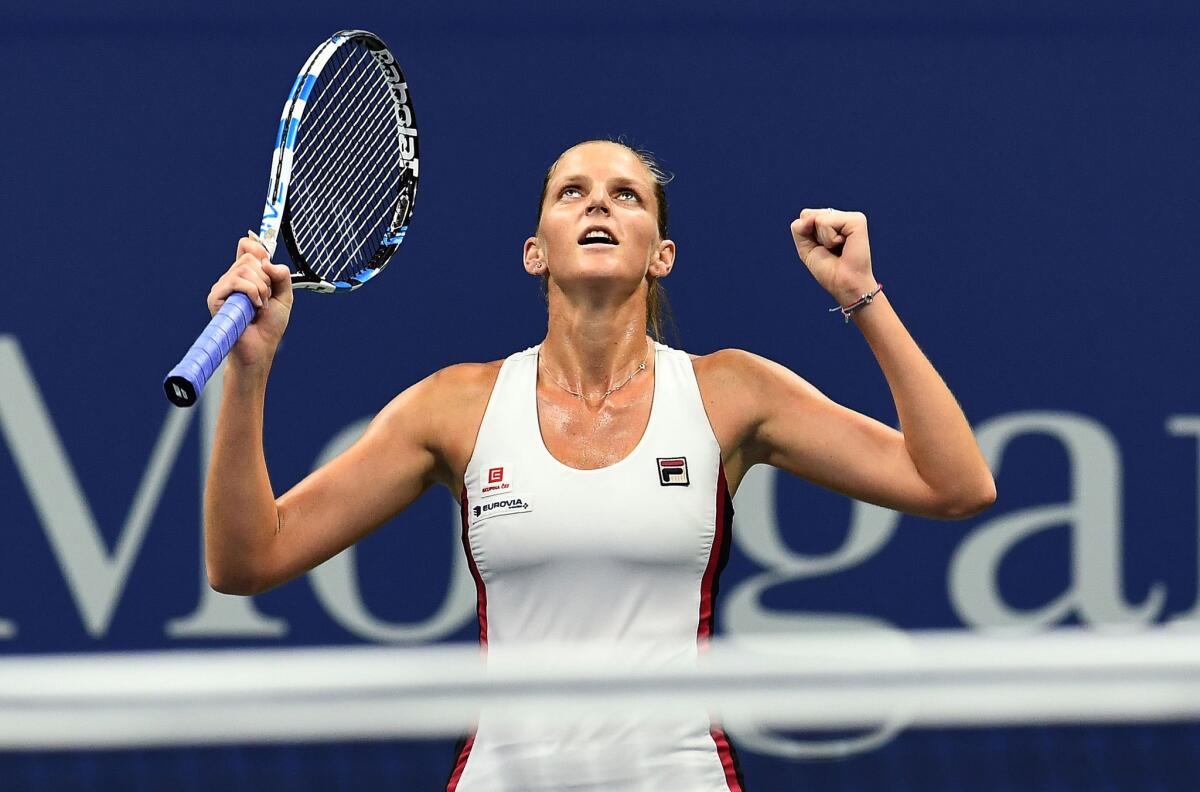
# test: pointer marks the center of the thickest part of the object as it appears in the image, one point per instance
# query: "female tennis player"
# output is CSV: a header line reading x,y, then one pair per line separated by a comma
x,y
594,470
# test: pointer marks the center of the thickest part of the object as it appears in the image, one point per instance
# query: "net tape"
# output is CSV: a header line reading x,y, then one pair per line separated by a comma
x,y
842,680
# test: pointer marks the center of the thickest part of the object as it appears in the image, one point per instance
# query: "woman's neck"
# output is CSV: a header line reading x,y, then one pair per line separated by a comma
x,y
590,351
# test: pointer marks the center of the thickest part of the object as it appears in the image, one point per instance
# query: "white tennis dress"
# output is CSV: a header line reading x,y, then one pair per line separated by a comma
x,y
625,554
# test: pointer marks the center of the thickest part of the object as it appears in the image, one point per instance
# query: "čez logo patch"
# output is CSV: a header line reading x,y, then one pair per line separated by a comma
x,y
497,483
672,471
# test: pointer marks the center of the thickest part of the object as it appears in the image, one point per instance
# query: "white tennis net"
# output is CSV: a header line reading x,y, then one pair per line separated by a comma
x,y
842,680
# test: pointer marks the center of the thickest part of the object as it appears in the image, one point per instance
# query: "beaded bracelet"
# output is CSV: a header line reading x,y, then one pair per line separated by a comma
x,y
862,302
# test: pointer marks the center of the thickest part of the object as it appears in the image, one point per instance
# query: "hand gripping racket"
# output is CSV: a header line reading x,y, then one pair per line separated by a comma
x,y
343,182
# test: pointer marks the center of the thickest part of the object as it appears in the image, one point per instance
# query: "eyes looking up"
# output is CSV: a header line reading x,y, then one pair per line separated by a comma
x,y
622,194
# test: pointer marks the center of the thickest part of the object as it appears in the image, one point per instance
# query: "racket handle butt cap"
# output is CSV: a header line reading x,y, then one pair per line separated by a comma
x,y
185,383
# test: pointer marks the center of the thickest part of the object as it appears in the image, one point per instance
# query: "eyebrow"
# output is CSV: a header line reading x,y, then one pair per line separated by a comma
x,y
579,177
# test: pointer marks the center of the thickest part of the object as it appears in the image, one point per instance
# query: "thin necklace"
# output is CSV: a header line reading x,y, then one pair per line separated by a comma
x,y
610,391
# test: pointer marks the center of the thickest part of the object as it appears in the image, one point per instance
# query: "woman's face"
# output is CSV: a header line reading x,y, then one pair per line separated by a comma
x,y
599,219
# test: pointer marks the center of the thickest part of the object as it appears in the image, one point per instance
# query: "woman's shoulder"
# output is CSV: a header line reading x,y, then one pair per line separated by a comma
x,y
742,380
446,391
474,375
466,374
728,365
443,412
461,385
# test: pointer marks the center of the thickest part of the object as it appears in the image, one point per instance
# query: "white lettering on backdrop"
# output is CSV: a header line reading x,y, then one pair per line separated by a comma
x,y
96,576
1093,514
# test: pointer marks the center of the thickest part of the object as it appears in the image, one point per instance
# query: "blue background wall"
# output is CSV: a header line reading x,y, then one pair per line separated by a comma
x,y
1029,176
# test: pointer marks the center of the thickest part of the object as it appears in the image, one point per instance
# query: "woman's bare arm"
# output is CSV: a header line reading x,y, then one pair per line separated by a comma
x,y
254,541
933,467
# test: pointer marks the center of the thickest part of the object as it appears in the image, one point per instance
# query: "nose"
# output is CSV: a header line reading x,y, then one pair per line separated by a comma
x,y
598,202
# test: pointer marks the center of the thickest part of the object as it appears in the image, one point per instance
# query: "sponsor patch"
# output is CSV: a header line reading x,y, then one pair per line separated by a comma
x,y
494,508
496,481
672,471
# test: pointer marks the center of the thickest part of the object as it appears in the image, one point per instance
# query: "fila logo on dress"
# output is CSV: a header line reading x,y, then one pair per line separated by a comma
x,y
672,471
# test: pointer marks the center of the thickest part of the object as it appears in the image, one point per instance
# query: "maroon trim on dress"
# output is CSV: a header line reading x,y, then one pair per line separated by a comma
x,y
718,557
733,774
481,592
481,608
460,764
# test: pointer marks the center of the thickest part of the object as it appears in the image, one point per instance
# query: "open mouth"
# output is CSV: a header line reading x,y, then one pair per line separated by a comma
x,y
597,236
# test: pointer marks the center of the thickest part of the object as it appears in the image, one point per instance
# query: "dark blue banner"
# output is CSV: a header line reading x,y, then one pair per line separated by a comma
x,y
1030,182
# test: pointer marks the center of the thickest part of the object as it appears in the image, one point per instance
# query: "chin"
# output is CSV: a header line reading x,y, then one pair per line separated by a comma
x,y
592,267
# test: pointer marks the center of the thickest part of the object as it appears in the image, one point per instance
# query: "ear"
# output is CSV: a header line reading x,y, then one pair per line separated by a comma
x,y
663,261
535,258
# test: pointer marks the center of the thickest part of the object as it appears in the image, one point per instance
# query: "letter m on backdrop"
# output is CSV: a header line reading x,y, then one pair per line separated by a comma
x,y
95,575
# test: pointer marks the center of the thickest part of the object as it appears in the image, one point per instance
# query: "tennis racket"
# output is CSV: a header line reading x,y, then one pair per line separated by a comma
x,y
341,191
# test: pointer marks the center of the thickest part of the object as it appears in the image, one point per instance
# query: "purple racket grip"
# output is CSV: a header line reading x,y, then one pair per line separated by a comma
x,y
185,382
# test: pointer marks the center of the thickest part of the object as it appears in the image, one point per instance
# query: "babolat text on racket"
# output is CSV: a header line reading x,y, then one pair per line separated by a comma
x,y
343,183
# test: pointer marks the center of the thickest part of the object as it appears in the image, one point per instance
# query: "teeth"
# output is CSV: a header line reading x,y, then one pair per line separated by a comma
x,y
597,235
